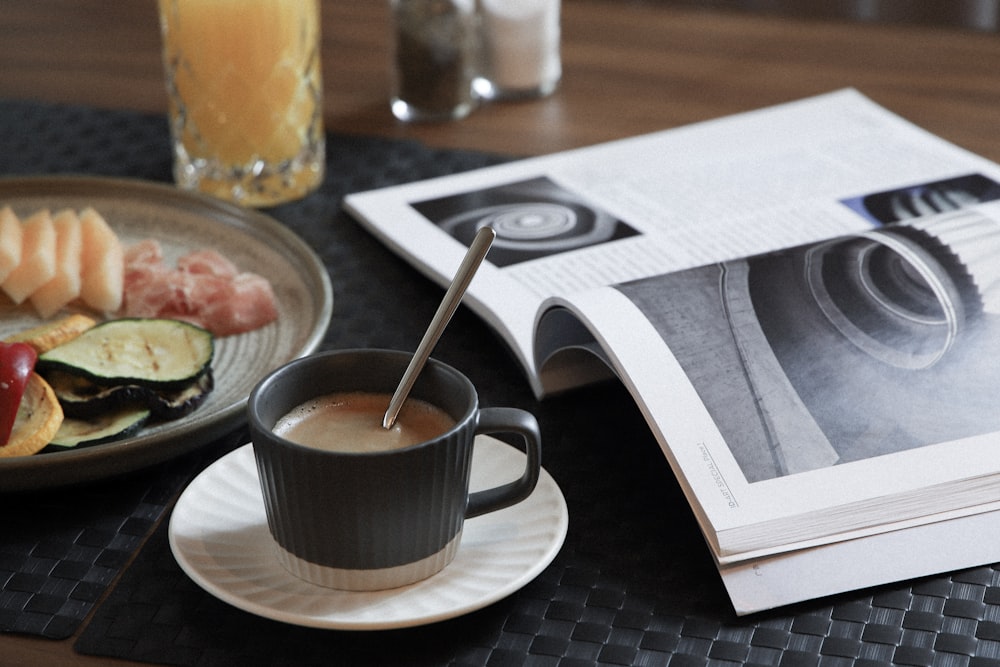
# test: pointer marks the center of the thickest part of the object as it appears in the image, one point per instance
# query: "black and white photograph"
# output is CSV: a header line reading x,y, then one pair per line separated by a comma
x,y
532,218
843,350
883,208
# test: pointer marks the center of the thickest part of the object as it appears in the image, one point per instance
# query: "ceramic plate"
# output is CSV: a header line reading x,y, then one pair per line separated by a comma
x,y
219,536
181,221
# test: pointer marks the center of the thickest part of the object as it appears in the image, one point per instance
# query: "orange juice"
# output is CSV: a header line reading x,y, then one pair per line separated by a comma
x,y
245,91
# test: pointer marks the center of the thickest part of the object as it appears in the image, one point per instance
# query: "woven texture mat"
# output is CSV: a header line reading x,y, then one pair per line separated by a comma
x,y
634,582
59,550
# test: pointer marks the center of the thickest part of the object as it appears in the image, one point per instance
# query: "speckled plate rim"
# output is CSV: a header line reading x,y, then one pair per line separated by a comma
x,y
218,534
192,220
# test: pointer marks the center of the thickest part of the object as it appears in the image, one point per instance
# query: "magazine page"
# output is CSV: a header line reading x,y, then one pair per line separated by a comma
x,y
822,392
900,555
652,204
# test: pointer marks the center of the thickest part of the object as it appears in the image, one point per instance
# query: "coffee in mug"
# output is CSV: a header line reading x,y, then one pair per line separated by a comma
x,y
370,520
352,422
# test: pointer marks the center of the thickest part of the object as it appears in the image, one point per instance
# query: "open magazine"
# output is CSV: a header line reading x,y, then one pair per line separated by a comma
x,y
803,300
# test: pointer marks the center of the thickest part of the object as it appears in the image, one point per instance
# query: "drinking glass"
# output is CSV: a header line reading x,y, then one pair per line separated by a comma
x,y
245,93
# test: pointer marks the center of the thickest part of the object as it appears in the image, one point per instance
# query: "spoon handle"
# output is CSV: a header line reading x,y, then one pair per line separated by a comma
x,y
467,269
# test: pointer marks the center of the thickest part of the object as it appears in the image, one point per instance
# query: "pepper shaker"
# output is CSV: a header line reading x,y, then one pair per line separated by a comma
x,y
436,58
520,48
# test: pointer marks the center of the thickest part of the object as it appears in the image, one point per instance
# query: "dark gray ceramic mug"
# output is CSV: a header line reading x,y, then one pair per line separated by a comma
x,y
369,521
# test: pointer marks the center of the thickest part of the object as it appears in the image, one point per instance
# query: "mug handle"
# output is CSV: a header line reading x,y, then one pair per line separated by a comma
x,y
508,420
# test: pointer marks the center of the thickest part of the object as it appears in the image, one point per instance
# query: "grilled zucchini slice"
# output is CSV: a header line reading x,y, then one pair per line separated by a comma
x,y
154,353
104,428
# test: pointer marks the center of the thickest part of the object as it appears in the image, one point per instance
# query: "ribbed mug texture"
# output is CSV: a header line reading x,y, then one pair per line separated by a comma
x,y
333,511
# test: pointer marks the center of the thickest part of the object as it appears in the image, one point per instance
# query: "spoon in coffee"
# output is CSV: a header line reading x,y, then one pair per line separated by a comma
x,y
449,304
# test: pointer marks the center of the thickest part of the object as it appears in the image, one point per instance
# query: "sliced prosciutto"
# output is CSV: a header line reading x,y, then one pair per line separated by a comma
x,y
204,288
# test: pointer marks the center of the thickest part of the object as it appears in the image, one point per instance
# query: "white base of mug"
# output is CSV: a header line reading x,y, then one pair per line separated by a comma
x,y
368,580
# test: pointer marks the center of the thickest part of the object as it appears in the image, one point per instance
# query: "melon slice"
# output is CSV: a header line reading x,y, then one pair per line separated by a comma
x,y
103,273
38,257
50,298
10,242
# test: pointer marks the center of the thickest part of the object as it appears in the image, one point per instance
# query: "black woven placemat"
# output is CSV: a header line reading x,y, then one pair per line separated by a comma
x,y
60,549
634,583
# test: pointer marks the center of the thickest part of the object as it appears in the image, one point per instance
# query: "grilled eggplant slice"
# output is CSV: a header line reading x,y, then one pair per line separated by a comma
x,y
160,354
82,399
178,403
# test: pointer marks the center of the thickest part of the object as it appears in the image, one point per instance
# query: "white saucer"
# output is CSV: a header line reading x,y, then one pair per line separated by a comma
x,y
218,534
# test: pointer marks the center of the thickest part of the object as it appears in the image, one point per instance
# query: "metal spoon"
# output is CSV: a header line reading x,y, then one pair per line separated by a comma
x,y
467,269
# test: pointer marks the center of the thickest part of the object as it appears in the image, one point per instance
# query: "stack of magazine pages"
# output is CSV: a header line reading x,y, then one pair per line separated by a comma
x,y
803,300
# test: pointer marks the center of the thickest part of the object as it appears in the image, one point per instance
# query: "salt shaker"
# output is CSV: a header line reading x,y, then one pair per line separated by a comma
x,y
520,48
436,59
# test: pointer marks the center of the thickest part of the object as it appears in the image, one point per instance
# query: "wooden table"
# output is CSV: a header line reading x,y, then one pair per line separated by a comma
x,y
628,68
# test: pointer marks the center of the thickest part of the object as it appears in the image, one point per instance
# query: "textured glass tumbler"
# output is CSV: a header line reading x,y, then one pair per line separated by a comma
x,y
246,99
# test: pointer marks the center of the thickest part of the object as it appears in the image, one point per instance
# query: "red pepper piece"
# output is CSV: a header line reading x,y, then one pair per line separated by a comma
x,y
17,361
